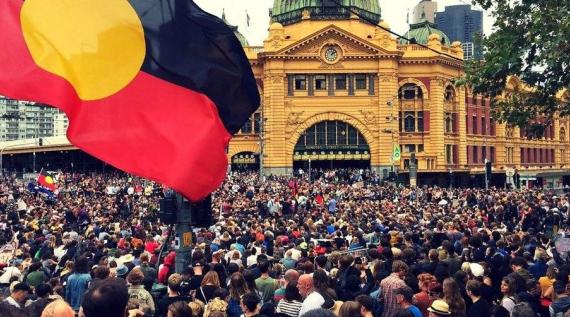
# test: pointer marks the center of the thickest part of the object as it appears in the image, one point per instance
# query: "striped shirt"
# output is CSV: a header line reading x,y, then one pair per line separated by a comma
x,y
289,308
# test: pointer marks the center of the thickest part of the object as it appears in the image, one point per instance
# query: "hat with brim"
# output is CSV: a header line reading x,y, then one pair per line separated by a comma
x,y
122,270
439,307
127,258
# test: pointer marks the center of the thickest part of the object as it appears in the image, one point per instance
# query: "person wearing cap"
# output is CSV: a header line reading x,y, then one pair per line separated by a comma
x,y
439,308
480,306
18,295
404,298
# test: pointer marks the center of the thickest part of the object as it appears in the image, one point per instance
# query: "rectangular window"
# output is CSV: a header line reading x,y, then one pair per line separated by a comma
x,y
331,133
492,127
420,147
420,121
483,126
320,82
483,153
340,82
475,154
409,148
474,125
321,134
300,82
310,137
492,154
449,154
409,121
257,122
360,81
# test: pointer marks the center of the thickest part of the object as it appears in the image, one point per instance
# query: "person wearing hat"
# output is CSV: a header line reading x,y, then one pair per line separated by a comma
x,y
404,298
480,306
439,308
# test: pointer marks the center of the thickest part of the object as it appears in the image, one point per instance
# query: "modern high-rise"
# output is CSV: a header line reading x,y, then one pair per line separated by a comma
x,y
25,120
461,23
424,11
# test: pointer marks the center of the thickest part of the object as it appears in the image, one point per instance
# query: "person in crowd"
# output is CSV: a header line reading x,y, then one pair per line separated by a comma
x,y
390,284
210,284
422,299
311,298
290,275
480,306
44,296
523,310
179,309
561,303
292,302
508,292
367,305
58,308
349,309
173,295
250,304
108,299
137,291
265,283
439,308
238,288
404,297
452,296
77,283
18,295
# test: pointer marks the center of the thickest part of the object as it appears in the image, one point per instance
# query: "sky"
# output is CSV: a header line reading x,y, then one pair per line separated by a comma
x,y
393,11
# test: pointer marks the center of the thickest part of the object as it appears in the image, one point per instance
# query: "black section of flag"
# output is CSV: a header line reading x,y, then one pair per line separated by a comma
x,y
194,49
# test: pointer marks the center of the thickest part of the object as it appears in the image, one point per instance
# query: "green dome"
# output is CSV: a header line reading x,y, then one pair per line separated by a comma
x,y
234,28
291,11
420,32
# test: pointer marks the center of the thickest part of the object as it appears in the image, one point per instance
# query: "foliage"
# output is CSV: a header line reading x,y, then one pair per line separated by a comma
x,y
531,41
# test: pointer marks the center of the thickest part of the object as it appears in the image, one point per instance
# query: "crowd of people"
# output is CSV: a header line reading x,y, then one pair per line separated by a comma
x,y
340,244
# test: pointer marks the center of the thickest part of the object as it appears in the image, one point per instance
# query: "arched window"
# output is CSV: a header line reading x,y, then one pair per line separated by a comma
x,y
410,92
330,134
449,94
562,134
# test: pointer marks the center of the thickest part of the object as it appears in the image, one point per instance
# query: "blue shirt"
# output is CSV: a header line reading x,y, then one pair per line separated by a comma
x,y
416,311
76,286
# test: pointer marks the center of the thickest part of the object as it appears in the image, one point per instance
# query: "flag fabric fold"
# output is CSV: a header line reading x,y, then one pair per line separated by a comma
x,y
154,87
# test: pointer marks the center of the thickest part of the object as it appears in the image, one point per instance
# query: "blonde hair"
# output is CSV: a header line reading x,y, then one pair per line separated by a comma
x,y
58,308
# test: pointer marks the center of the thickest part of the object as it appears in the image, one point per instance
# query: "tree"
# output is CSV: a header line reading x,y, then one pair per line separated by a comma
x,y
531,41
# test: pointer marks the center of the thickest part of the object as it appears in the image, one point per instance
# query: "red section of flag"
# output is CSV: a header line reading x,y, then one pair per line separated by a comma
x,y
47,181
151,128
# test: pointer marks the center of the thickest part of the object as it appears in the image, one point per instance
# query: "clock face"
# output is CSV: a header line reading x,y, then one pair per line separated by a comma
x,y
331,54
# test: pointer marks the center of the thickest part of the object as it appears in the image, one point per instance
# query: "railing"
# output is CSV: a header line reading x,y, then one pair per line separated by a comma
x,y
325,13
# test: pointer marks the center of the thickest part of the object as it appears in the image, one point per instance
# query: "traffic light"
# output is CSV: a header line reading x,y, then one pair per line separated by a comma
x,y
202,213
41,142
168,209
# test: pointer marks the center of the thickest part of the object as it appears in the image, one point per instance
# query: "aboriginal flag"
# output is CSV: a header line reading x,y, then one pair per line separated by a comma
x,y
154,87
46,180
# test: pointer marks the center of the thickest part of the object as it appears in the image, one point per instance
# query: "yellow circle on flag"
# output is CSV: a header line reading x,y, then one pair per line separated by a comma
x,y
49,180
98,46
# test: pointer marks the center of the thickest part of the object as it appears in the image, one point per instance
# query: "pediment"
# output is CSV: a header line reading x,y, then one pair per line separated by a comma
x,y
351,45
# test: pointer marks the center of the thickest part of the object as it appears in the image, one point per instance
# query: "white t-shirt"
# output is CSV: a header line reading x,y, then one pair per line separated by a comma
x,y
313,301
10,272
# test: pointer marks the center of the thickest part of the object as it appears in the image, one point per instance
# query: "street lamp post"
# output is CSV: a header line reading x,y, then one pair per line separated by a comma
x,y
309,170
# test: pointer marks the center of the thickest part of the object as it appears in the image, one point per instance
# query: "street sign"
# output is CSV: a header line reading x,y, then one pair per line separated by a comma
x,y
396,152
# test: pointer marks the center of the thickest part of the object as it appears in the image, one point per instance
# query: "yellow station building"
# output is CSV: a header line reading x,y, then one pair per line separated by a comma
x,y
339,90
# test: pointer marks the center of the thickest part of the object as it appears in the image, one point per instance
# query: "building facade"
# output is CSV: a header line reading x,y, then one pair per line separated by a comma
x,y
25,120
425,10
338,91
341,91
461,23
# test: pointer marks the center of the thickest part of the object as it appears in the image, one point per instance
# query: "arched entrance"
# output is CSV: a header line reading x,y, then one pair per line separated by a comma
x,y
331,144
245,161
